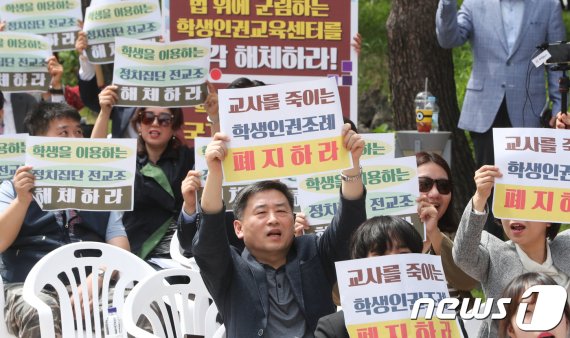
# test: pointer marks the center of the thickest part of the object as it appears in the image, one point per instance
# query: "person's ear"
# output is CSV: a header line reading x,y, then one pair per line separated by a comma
x,y
511,331
238,229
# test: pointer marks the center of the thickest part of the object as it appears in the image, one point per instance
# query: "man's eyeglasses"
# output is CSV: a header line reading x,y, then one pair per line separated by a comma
x,y
443,185
148,117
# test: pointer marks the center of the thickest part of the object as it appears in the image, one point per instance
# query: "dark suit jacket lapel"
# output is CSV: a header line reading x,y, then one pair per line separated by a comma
x,y
293,270
260,279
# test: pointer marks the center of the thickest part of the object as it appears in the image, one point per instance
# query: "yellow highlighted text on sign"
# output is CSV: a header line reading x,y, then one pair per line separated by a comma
x,y
406,328
531,203
285,159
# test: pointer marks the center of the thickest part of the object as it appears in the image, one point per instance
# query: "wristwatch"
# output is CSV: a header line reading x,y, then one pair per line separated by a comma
x,y
351,178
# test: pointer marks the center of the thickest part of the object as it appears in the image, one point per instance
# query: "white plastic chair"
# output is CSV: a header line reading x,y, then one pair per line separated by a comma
x,y
186,304
179,257
72,260
3,328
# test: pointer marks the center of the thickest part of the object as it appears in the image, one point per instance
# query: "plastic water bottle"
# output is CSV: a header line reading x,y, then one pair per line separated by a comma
x,y
434,114
113,324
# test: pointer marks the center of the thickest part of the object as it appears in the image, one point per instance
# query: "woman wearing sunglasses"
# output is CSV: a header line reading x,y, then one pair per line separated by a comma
x,y
533,247
163,162
435,208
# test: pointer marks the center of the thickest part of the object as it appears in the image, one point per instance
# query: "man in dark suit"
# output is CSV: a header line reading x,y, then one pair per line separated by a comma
x,y
280,285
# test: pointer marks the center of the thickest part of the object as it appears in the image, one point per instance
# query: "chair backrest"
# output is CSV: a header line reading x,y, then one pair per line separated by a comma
x,y
178,257
181,306
66,269
3,328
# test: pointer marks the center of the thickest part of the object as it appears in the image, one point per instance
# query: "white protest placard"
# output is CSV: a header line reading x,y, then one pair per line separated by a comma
x,y
23,62
82,174
12,154
378,146
536,174
57,20
108,19
229,192
391,184
282,130
377,295
158,74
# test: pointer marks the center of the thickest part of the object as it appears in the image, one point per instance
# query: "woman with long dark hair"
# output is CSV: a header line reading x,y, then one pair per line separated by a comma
x,y
435,207
163,162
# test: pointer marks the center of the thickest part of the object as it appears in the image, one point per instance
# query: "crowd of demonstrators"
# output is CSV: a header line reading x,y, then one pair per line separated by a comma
x,y
163,162
27,233
514,291
265,275
533,247
377,236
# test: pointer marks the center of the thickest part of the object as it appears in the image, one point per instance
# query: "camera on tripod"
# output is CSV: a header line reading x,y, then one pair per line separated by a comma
x,y
559,53
560,61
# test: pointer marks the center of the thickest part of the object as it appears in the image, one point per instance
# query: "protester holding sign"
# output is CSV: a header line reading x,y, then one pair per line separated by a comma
x,y
534,247
162,164
300,269
435,207
28,233
378,236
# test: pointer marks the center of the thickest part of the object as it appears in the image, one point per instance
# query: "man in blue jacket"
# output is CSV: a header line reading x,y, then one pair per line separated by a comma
x,y
504,89
281,284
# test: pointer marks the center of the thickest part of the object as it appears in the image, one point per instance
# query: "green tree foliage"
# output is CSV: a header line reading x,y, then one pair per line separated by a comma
x,y
70,63
373,64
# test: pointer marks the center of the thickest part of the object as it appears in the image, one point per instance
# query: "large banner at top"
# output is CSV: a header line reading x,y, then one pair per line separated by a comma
x,y
274,41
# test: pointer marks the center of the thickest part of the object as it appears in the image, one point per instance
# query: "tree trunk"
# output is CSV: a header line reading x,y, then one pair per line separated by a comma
x,y
415,54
